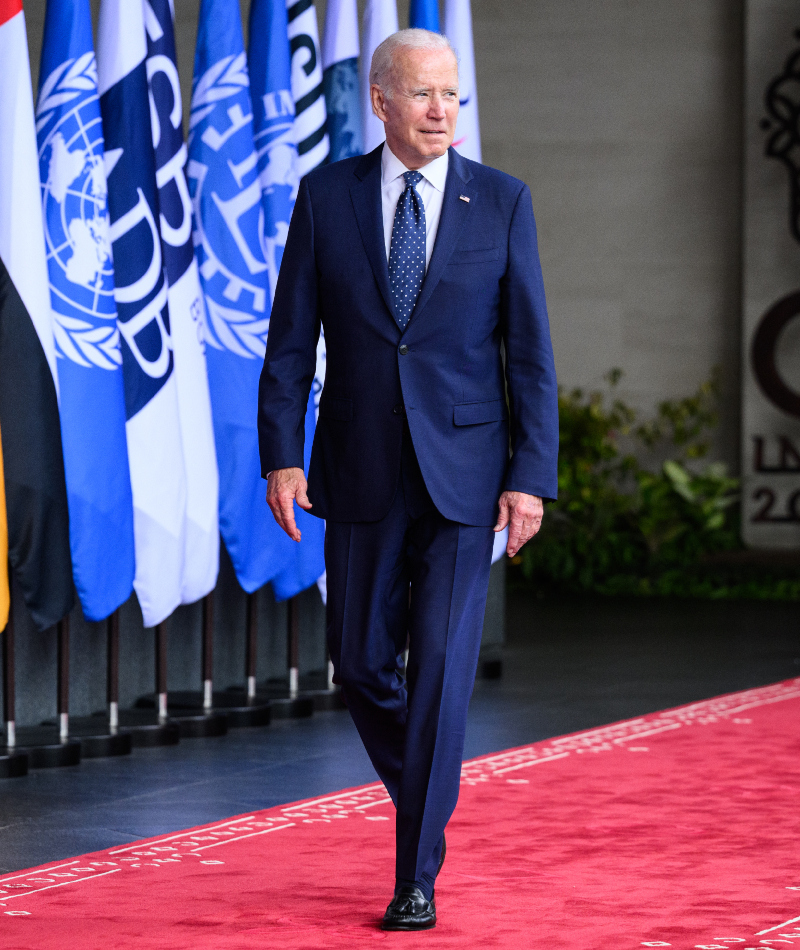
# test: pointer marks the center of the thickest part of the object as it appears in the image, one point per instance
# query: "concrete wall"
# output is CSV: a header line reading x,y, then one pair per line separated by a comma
x,y
624,117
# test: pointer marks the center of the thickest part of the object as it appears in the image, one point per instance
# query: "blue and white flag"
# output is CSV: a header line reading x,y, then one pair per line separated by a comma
x,y
424,15
225,186
311,118
186,307
458,29
340,79
151,399
269,61
380,21
81,276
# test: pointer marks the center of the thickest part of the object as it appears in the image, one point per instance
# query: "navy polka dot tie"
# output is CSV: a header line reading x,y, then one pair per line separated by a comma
x,y
407,250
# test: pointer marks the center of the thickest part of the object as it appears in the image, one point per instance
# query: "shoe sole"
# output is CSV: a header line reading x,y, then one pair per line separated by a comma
x,y
429,926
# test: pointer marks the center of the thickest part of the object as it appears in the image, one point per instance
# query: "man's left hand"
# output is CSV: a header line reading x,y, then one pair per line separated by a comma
x,y
523,515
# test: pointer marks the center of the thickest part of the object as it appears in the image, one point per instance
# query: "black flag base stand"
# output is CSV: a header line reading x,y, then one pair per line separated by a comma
x,y
276,695
13,764
232,705
147,729
98,740
193,722
46,749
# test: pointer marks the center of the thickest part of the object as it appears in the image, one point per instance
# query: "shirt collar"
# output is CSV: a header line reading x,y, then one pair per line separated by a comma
x,y
434,172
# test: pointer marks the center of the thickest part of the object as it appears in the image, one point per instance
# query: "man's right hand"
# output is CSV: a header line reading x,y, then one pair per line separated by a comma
x,y
284,487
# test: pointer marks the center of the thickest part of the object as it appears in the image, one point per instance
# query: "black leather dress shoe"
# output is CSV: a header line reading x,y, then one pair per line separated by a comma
x,y
409,910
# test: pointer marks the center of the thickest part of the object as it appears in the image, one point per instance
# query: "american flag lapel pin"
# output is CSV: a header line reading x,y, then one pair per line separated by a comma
x,y
464,198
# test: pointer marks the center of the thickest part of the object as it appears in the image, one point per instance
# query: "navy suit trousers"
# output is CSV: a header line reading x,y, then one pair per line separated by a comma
x,y
412,722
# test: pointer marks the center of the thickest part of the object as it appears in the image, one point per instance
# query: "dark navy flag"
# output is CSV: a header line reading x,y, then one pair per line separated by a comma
x,y
340,79
81,275
186,307
140,290
231,248
269,60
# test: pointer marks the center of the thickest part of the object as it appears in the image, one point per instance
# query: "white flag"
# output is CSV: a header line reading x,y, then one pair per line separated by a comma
x,y
458,29
186,308
151,398
380,21
310,119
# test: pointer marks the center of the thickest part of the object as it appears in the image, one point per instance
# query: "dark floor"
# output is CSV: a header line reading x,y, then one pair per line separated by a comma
x,y
567,666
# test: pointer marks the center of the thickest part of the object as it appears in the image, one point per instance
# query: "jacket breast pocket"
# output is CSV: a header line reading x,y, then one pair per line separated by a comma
x,y
336,407
475,255
474,413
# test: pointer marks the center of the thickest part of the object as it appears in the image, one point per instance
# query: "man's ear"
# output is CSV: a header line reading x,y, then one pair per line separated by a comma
x,y
378,102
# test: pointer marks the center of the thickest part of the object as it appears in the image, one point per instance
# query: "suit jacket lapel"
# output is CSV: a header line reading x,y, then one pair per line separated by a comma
x,y
454,216
365,193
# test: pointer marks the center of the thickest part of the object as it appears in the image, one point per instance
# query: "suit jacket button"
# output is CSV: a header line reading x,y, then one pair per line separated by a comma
x,y
399,409
403,350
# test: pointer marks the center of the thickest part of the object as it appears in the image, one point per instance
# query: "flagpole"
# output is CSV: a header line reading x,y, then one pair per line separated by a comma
x,y
192,722
112,675
208,651
285,705
13,764
62,633
161,670
293,645
251,644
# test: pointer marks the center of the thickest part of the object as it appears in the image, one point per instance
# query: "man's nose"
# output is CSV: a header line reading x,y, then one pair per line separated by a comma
x,y
436,108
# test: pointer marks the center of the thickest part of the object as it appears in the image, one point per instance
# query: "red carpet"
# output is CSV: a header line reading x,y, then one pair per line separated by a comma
x,y
680,829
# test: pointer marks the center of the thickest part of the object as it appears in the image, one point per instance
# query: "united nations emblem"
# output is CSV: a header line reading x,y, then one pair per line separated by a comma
x,y
76,224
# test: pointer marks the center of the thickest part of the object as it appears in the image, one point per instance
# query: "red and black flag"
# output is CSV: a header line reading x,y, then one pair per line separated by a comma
x,y
35,489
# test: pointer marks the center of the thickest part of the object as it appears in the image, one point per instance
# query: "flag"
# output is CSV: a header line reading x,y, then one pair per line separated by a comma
x,y
458,29
269,67
84,315
340,79
36,494
226,189
311,120
5,598
269,60
424,15
380,21
186,307
140,290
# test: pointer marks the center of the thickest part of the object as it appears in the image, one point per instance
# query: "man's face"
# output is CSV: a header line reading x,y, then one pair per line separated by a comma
x,y
420,117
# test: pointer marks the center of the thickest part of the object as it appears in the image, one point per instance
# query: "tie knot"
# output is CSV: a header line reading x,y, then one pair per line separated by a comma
x,y
412,178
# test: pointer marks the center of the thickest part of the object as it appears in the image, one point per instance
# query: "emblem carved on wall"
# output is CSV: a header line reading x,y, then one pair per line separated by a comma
x,y
782,100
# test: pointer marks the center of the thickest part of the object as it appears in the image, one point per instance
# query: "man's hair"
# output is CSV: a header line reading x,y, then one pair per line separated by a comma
x,y
382,69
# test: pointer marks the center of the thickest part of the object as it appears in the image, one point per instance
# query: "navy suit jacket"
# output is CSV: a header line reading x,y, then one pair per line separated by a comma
x,y
473,368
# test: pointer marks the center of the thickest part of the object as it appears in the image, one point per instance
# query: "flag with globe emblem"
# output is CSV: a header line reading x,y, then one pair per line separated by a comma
x,y
186,307
153,431
84,313
275,134
232,252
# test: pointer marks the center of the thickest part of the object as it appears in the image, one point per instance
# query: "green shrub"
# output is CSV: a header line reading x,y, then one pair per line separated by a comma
x,y
621,527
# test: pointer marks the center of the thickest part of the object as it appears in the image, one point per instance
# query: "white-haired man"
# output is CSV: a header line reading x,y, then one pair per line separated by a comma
x,y
421,266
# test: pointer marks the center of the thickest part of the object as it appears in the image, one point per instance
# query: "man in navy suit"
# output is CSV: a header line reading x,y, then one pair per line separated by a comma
x,y
438,425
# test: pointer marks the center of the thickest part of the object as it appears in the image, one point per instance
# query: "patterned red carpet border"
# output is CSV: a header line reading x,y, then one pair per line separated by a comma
x,y
678,829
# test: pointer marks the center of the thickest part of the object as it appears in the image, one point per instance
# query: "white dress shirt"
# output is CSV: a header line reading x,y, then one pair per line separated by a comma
x,y
430,190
